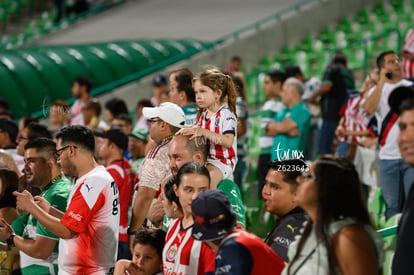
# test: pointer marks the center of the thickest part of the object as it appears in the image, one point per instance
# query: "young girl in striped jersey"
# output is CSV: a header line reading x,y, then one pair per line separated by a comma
x,y
216,122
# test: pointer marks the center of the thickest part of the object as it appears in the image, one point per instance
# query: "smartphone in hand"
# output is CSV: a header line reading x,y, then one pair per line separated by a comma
x,y
388,75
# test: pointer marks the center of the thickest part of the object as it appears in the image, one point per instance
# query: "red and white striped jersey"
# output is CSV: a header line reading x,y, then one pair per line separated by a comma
x,y
93,213
121,172
408,65
362,120
184,255
350,115
221,122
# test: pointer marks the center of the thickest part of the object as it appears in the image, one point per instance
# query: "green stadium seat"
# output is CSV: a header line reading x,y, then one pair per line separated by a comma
x,y
287,55
327,36
265,62
356,57
251,89
389,244
376,207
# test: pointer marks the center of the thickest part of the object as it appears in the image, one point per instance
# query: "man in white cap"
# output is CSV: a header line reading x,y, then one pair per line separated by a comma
x,y
163,122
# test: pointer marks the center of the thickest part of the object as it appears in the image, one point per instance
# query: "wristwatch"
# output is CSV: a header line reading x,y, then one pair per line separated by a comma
x,y
10,239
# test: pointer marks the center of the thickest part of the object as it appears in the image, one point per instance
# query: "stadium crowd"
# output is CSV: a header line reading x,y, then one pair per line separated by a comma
x,y
100,192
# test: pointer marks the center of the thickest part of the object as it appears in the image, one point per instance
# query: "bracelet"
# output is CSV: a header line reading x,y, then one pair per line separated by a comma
x,y
10,240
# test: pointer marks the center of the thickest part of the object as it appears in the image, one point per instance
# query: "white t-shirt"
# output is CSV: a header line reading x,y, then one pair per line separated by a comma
x,y
76,113
310,87
93,213
389,146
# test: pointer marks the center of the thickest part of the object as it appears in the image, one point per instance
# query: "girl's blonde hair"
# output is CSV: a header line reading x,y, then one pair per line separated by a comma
x,y
216,80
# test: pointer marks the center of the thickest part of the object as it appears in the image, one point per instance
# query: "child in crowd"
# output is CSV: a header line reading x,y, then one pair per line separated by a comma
x,y
216,120
146,256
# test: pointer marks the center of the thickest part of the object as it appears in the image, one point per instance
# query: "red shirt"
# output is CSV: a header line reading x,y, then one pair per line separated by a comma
x,y
93,213
124,178
182,254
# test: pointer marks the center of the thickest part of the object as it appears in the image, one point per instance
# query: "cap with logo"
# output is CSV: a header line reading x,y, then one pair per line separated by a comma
x,y
213,216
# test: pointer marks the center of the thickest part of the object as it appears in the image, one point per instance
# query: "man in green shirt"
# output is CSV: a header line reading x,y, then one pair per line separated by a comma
x,y
38,246
290,127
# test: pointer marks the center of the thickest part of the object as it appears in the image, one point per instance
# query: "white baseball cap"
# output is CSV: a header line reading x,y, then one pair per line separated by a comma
x,y
168,112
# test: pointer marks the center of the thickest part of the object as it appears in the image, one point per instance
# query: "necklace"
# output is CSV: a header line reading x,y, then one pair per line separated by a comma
x,y
58,177
52,181
166,138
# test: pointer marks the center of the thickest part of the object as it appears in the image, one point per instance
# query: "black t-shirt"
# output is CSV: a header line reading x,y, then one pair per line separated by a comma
x,y
332,101
284,232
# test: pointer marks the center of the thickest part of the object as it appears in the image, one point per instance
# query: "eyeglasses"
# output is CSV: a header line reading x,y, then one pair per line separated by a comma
x,y
58,152
32,160
151,121
20,138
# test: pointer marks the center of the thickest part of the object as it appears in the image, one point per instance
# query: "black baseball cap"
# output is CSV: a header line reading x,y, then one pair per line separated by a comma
x,y
114,135
213,216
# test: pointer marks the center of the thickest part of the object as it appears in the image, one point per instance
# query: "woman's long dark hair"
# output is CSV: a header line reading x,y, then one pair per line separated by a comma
x,y
339,196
